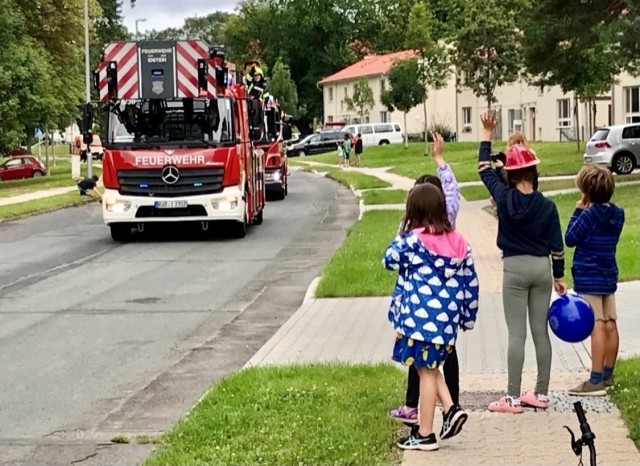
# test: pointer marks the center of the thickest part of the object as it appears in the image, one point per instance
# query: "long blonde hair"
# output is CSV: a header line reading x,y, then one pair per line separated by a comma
x,y
517,137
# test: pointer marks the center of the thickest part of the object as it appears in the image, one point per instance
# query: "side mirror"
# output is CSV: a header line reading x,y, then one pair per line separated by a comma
x,y
96,80
222,77
87,138
203,74
272,126
287,133
256,118
87,117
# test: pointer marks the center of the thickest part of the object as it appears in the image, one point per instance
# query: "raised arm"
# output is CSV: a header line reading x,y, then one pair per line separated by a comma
x,y
489,177
447,178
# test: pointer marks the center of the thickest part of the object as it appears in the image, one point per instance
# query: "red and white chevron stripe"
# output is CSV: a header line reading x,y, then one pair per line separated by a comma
x,y
187,54
125,54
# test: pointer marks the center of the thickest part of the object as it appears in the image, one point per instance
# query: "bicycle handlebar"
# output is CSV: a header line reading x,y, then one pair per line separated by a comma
x,y
587,437
582,419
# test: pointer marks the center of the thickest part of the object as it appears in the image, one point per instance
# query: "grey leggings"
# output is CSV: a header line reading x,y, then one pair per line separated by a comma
x,y
527,283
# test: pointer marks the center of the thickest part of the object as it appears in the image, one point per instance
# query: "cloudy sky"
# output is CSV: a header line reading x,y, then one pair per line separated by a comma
x,y
161,14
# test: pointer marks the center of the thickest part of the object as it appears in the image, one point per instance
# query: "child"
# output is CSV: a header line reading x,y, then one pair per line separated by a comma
x,y
358,149
528,233
439,294
340,155
346,149
88,186
446,182
594,230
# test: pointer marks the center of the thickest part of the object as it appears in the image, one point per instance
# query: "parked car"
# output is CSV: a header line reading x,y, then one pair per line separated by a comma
x,y
318,143
617,147
377,134
16,168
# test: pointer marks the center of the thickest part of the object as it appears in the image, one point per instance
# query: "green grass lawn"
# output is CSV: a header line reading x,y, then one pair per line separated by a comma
x,y
475,193
628,259
558,158
356,269
318,414
47,204
626,395
384,196
355,179
59,176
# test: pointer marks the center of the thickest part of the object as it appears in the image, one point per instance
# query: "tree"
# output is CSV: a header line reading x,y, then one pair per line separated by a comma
x,y
362,100
405,90
434,65
282,87
486,47
585,64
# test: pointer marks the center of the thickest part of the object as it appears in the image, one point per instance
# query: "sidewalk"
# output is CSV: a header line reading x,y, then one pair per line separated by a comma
x,y
359,329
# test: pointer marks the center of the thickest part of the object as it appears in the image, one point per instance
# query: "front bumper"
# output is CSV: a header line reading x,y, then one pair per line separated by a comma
x,y
273,180
227,205
601,158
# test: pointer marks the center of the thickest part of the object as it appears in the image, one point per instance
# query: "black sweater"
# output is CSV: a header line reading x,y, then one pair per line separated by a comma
x,y
528,223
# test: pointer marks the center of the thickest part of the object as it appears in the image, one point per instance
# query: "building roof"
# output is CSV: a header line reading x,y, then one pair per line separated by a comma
x,y
371,65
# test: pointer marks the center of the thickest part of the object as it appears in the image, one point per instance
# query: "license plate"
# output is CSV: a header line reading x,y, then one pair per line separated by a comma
x,y
170,204
588,159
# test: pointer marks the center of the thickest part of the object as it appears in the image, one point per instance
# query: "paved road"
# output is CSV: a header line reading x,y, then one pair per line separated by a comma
x,y
99,339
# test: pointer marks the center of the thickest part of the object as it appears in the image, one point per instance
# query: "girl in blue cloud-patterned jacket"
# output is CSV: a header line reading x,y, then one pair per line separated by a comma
x,y
439,294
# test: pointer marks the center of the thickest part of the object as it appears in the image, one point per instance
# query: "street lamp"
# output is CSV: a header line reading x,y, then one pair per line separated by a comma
x,y
141,20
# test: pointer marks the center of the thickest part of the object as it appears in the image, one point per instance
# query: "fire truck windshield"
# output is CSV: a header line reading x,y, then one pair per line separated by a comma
x,y
180,121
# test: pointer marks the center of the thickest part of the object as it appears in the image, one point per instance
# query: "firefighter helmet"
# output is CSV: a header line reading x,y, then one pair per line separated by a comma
x,y
520,156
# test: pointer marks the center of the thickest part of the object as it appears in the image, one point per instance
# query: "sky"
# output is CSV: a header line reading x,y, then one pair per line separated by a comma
x,y
162,14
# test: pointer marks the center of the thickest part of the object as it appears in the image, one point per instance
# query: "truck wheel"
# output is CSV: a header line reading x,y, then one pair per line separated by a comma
x,y
120,232
280,195
286,187
259,218
239,229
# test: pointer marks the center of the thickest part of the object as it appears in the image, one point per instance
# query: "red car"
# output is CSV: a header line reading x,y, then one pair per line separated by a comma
x,y
15,168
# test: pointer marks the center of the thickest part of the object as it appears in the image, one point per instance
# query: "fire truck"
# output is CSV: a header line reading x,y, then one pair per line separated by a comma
x,y
178,139
277,132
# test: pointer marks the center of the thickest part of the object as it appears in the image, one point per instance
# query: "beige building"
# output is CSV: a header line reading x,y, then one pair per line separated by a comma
x,y
541,114
337,87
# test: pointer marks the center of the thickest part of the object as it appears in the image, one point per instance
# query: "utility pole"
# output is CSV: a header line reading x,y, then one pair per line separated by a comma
x,y
87,80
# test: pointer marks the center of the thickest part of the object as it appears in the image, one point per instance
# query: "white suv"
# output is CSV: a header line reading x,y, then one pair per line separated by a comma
x,y
617,147
377,134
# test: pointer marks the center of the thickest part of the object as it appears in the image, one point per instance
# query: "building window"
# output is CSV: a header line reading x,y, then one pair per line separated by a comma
x,y
564,113
346,94
330,118
466,119
331,94
384,117
632,104
383,85
515,119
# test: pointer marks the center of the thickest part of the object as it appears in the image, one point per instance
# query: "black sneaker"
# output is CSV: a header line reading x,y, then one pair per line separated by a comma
x,y
415,441
452,422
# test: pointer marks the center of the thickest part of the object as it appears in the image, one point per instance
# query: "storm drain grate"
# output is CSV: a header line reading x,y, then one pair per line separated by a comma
x,y
560,402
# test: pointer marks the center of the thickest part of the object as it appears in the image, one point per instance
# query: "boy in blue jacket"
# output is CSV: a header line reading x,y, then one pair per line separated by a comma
x,y
594,230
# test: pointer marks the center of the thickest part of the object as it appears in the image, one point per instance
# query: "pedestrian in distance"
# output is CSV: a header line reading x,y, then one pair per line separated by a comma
x,y
447,184
358,148
529,234
439,294
346,149
594,230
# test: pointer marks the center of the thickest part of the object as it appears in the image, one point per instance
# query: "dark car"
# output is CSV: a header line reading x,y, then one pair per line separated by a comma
x,y
16,168
318,143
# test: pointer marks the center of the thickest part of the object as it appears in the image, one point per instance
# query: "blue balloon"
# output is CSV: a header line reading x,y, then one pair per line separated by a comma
x,y
571,318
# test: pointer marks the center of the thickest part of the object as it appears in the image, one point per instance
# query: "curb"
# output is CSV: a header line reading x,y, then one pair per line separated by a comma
x,y
310,295
46,211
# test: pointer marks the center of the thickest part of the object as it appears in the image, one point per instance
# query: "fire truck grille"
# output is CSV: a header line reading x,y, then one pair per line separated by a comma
x,y
190,182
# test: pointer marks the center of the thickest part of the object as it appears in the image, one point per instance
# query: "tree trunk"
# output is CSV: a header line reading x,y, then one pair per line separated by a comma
x,y
426,126
406,135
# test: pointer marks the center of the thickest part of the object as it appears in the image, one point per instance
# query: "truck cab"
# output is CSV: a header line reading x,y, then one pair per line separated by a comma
x,y
179,139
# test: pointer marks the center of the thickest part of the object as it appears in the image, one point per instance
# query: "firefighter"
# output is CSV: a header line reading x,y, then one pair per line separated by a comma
x,y
257,86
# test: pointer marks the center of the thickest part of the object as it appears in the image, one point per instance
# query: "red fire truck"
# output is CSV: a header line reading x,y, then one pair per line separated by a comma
x,y
277,132
179,138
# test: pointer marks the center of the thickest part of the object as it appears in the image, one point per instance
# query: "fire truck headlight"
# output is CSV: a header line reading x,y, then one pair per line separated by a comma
x,y
117,207
276,176
227,203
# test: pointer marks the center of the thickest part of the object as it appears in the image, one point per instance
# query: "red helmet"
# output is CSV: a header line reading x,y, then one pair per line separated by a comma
x,y
519,156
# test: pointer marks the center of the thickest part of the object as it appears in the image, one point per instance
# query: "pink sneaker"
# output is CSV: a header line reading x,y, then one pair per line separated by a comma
x,y
507,404
534,400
